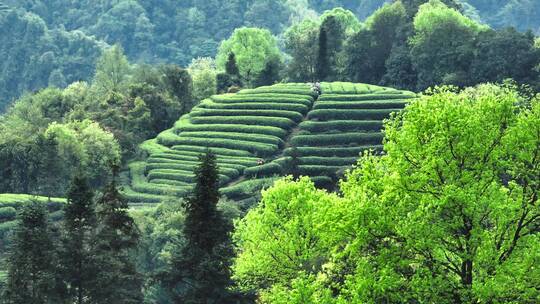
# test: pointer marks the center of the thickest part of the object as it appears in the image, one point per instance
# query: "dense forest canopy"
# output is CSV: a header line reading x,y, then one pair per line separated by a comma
x,y
68,36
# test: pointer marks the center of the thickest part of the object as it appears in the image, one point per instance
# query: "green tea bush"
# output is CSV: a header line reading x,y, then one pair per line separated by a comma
x,y
380,104
259,149
258,138
313,170
266,130
247,188
262,90
268,169
328,161
245,161
169,182
280,122
296,107
274,98
294,116
337,139
331,114
165,161
178,175
138,197
341,125
175,166
334,151
322,181
381,96
198,150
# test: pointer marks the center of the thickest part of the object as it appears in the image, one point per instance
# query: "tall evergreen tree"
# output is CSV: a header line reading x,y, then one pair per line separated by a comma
x,y
231,67
200,271
31,261
322,57
117,236
78,265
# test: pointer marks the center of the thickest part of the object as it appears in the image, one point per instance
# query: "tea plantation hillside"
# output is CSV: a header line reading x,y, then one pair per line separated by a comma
x,y
257,135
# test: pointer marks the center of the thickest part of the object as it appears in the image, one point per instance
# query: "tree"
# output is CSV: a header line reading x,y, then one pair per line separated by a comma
x,y
270,74
78,266
301,43
448,215
442,47
199,270
117,236
180,84
252,48
230,67
203,73
323,63
31,260
112,71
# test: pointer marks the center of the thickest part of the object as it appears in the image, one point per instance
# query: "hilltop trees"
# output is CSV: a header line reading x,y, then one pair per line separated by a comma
x,y
253,49
448,215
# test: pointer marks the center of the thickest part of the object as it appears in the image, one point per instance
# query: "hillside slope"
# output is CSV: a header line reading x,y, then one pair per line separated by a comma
x,y
255,134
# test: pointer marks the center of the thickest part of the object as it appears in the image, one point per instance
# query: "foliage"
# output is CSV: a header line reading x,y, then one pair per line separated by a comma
x,y
200,268
448,215
253,49
203,75
31,272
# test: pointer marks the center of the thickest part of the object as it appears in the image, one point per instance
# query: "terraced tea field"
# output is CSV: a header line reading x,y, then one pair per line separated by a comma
x,y
254,133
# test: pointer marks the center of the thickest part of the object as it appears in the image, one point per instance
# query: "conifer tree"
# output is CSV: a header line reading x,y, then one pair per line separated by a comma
x,y
117,236
200,270
231,69
31,260
322,67
78,265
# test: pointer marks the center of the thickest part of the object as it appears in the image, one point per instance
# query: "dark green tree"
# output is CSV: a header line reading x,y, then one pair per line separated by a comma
x,y
117,236
78,265
293,165
270,74
231,67
223,82
180,85
323,64
200,270
31,260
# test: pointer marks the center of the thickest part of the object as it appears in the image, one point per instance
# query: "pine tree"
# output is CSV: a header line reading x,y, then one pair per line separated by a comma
x,y
117,236
231,67
31,260
78,266
270,74
322,57
293,166
200,271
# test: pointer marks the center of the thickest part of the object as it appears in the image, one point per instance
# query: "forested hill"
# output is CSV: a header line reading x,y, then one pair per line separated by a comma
x,y
56,42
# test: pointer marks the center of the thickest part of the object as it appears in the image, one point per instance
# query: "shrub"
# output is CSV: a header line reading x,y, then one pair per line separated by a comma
x,y
7,214
337,139
329,161
275,98
280,122
258,138
381,96
179,175
323,181
266,130
296,107
246,161
169,182
370,104
294,116
341,125
330,114
192,163
313,170
145,198
268,169
247,188
333,151
260,149
197,150
184,167
295,91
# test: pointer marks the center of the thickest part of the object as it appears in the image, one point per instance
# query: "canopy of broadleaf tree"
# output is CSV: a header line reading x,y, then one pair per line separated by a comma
x,y
253,48
449,214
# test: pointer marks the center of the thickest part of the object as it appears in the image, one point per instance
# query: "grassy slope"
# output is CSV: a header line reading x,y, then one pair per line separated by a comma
x,y
252,133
